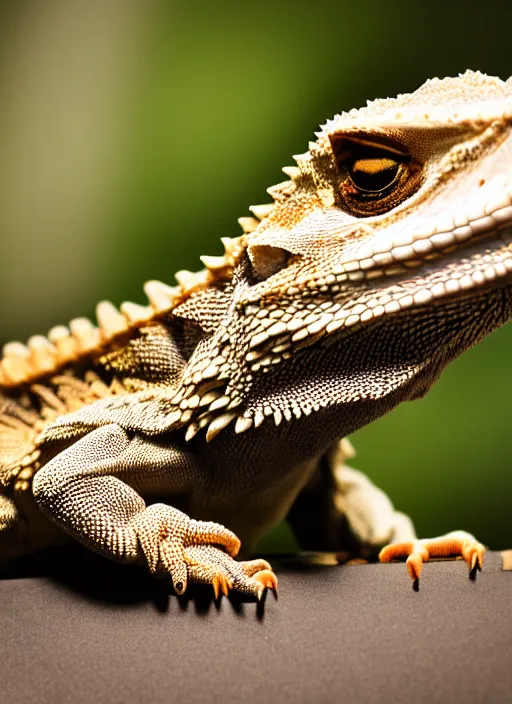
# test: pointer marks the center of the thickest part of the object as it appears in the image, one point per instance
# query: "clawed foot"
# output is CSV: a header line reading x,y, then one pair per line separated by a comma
x,y
187,550
209,565
455,544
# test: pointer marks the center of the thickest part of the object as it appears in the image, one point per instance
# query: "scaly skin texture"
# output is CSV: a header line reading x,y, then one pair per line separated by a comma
x,y
386,254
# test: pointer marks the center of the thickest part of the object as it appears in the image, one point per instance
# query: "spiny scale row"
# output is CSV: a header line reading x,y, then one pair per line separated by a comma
x,y
406,109
199,402
279,192
42,355
22,364
246,422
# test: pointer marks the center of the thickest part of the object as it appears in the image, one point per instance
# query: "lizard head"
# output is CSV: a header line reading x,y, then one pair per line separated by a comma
x,y
387,254
388,197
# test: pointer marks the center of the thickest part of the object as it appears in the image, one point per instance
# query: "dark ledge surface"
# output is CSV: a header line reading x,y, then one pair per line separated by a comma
x,y
76,628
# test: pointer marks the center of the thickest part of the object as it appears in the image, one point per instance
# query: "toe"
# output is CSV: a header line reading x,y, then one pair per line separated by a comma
x,y
414,564
267,578
221,585
454,544
395,551
250,567
473,553
208,533
416,554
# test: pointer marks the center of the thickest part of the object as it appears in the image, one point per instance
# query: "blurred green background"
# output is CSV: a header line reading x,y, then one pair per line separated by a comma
x,y
134,134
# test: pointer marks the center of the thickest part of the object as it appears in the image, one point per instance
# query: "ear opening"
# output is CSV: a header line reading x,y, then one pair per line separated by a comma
x,y
267,260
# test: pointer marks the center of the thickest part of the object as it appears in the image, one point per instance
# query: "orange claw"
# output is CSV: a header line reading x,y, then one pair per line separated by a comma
x,y
473,553
416,554
450,545
414,562
266,580
220,583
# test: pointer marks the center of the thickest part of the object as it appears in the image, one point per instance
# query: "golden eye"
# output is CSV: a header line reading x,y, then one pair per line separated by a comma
x,y
374,177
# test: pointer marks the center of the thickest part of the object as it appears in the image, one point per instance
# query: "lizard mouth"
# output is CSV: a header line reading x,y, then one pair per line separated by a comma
x,y
484,262
448,255
403,245
411,264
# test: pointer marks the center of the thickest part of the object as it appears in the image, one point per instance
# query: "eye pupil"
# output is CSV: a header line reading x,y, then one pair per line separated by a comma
x,y
373,175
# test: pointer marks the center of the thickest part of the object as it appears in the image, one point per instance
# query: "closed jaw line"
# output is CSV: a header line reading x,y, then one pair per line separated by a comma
x,y
279,330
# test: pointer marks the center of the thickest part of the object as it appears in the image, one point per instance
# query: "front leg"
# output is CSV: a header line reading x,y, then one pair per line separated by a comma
x,y
356,518
88,491
341,510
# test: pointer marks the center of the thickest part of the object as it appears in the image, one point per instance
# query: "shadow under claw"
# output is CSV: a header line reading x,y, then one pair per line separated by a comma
x,y
102,581
92,576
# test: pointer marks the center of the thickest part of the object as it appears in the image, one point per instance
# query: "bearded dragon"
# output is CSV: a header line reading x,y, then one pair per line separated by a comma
x,y
167,434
